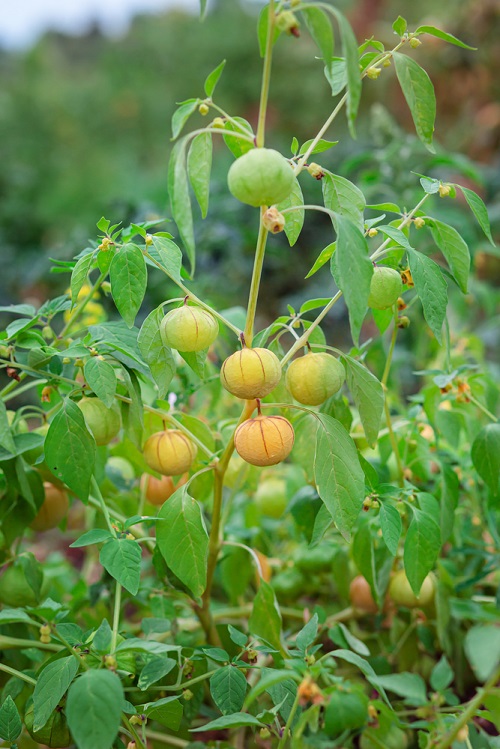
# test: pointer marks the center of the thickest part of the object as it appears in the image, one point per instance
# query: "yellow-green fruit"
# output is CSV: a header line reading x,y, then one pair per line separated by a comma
x,y
401,592
251,373
15,590
313,378
103,422
189,329
264,440
170,452
53,510
385,288
261,176
271,498
55,733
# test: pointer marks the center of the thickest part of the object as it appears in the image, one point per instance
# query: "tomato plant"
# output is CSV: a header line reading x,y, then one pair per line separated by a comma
x,y
268,543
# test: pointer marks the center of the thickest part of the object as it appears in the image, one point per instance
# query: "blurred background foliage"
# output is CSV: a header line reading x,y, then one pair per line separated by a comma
x,y
85,131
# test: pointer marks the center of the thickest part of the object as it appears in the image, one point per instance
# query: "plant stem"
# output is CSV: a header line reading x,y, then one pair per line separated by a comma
x,y
483,408
286,731
301,163
12,385
385,377
116,616
305,336
255,284
165,739
16,673
9,643
266,77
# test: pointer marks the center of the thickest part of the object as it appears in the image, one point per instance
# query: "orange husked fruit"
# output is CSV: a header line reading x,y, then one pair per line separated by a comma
x,y
264,440
169,452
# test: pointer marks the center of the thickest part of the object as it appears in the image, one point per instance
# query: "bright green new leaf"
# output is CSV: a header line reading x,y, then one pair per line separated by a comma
x,y
419,94
121,557
391,525
94,708
180,202
433,31
182,114
213,78
478,208
129,277
294,220
399,26
323,257
80,274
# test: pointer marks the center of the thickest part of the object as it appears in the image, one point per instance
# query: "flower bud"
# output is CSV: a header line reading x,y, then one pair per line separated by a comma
x,y
48,333
372,232
264,733
273,220
187,695
4,352
444,190
419,222
414,42
148,240
315,170
218,123
287,21
407,278
386,63
106,286
66,360
46,394
401,304
45,630
110,662
404,322
373,72
203,109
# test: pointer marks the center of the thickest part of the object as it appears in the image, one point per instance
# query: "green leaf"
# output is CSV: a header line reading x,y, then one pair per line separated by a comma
x,y
422,546
239,638
433,31
396,235
368,396
262,26
10,722
336,74
419,94
95,536
391,525
155,670
168,255
80,274
213,78
70,449
321,145
442,675
228,688
339,477
323,257
350,50
450,491
399,26
237,720
409,686
50,688
158,357
352,270
454,249
129,277
182,114
180,201
307,634
478,208
357,645
199,164
431,289
167,711
6,436
294,220
265,619
482,648
101,378
343,197
320,28
485,455
103,636
364,667
94,708
196,360
237,146
121,557
183,540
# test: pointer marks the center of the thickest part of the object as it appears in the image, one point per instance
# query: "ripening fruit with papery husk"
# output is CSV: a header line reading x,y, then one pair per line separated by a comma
x,y
251,373
264,440
189,329
402,593
313,378
103,422
261,176
386,287
170,452
361,597
271,497
53,509
157,491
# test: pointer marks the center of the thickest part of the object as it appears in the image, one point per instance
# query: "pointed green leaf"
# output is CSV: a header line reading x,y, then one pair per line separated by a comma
x,y
199,163
182,114
265,619
101,378
399,26
433,31
213,78
262,26
70,449
238,146
482,648
168,255
158,356
422,546
368,396
228,688
121,557
478,208
350,50
94,709
6,436
154,670
391,525
294,220
128,276
419,94
485,455
50,688
454,249
343,197
320,28
431,289
237,720
10,722
180,202
167,711
323,257
80,274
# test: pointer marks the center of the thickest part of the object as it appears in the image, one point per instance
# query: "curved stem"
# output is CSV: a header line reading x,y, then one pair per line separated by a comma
x,y
9,643
16,673
255,284
266,76
305,335
116,616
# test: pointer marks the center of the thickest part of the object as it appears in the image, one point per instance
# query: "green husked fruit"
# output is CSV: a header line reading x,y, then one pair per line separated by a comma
x,y
189,329
394,738
251,373
55,733
317,559
271,498
103,422
15,590
262,176
289,583
347,710
313,378
385,288
401,591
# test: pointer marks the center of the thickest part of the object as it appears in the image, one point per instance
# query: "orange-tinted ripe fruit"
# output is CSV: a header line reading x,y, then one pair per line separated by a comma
x,y
361,597
159,490
264,440
251,373
53,510
170,452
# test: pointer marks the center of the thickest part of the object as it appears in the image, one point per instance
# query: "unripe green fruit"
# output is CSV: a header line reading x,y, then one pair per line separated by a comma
x,y
170,452
53,510
271,498
264,440
289,583
317,559
385,288
394,738
313,378
55,733
251,373
401,592
103,422
121,468
261,176
15,590
189,329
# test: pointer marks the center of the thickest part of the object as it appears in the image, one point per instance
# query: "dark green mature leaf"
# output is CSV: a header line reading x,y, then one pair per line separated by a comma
x,y
450,489
454,249
168,255
154,670
51,686
79,275
396,235
10,722
180,202
352,270
478,208
422,545
213,78
364,667
265,619
182,114
433,31
419,94
482,648
199,164
442,675
94,708
228,688
391,525
368,396
485,455
183,540
350,50
339,476
431,289
167,711
129,278
294,220
70,449
343,197
101,378
237,720
409,686
158,356
320,28
6,436
121,557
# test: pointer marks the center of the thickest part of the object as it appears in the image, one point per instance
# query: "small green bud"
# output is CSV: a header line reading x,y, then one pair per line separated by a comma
x,y
148,240
372,232
419,222
48,333
373,73
264,733
187,695
444,190
316,171
404,322
66,360
106,286
218,123
4,352
414,42
203,109
287,21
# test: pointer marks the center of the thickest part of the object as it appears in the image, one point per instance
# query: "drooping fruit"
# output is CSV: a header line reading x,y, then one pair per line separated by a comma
x,y
251,373
264,440
55,733
261,176
189,329
313,378
159,490
271,498
361,597
401,592
15,591
53,510
103,422
170,452
385,288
